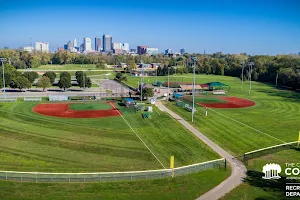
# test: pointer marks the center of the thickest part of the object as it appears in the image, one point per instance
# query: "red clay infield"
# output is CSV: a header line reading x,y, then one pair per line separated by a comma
x,y
232,102
63,110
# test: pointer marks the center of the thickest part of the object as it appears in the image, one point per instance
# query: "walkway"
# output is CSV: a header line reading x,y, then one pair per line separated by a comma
x,y
238,169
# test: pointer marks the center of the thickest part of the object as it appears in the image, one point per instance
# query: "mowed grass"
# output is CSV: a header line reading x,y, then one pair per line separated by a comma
x,y
274,119
32,142
183,187
90,106
254,187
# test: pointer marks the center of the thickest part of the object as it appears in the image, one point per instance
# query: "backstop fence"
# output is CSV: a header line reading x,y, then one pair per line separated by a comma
x,y
265,151
110,176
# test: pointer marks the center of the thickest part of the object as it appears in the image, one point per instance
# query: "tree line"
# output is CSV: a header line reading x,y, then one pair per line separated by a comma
x,y
283,69
15,79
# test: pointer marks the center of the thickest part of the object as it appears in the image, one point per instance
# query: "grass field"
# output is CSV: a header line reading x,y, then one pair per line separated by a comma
x,y
273,120
255,187
90,106
32,142
184,187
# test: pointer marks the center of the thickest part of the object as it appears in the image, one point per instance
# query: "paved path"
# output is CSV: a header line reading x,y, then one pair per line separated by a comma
x,y
238,169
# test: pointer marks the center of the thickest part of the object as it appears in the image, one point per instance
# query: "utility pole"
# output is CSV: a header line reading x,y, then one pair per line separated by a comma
x,y
194,69
243,65
250,72
3,78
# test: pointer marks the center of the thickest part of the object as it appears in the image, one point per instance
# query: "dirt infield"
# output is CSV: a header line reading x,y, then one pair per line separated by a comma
x,y
231,102
63,110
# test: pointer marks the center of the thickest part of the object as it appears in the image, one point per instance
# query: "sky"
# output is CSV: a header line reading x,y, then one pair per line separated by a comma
x,y
247,26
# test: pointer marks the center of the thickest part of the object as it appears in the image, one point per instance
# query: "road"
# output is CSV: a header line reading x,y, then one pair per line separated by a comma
x,y
238,169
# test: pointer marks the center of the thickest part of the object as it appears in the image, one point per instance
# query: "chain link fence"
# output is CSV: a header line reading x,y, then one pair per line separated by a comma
x,y
265,151
110,176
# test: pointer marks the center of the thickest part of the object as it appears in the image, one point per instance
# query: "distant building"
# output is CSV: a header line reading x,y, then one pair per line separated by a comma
x,y
42,46
125,48
87,44
65,46
107,43
60,49
132,51
81,48
182,51
152,51
142,50
168,51
75,43
98,45
69,46
28,49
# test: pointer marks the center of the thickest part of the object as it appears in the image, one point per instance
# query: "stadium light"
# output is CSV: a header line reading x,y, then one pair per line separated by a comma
x,y
169,83
195,59
142,81
3,60
243,65
250,72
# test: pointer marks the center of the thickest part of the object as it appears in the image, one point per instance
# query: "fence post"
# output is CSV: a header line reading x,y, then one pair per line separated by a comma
x,y
5,175
21,177
36,177
146,177
69,178
225,164
131,176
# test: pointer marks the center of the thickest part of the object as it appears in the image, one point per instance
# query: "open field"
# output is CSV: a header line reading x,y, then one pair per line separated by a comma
x,y
257,188
183,187
274,119
32,142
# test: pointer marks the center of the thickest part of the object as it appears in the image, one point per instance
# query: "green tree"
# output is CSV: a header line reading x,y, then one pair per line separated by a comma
x,y
120,77
51,75
20,82
83,80
44,82
31,76
147,92
64,82
101,64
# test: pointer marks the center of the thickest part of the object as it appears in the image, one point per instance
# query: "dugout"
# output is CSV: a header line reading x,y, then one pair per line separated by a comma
x,y
217,86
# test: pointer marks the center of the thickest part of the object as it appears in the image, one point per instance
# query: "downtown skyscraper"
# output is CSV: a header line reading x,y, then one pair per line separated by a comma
x,y
98,46
107,43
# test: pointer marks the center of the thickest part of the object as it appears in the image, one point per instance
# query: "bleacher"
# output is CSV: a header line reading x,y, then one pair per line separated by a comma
x,y
32,98
8,99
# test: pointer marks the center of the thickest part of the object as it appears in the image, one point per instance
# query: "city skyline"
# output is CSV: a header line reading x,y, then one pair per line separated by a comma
x,y
253,27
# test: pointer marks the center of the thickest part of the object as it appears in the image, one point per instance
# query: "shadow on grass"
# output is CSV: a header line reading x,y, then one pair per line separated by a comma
x,y
289,95
275,187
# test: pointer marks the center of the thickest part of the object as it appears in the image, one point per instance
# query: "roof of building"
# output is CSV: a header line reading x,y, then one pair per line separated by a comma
x,y
216,84
190,87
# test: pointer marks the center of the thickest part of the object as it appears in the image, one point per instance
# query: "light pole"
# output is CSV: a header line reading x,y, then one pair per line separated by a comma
x,y
250,72
194,69
243,65
142,81
3,60
169,83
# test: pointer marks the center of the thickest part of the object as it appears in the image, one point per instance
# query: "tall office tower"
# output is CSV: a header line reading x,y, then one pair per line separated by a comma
x,y
97,44
107,42
75,43
117,47
182,51
125,48
87,42
42,46
142,50
81,48
69,46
